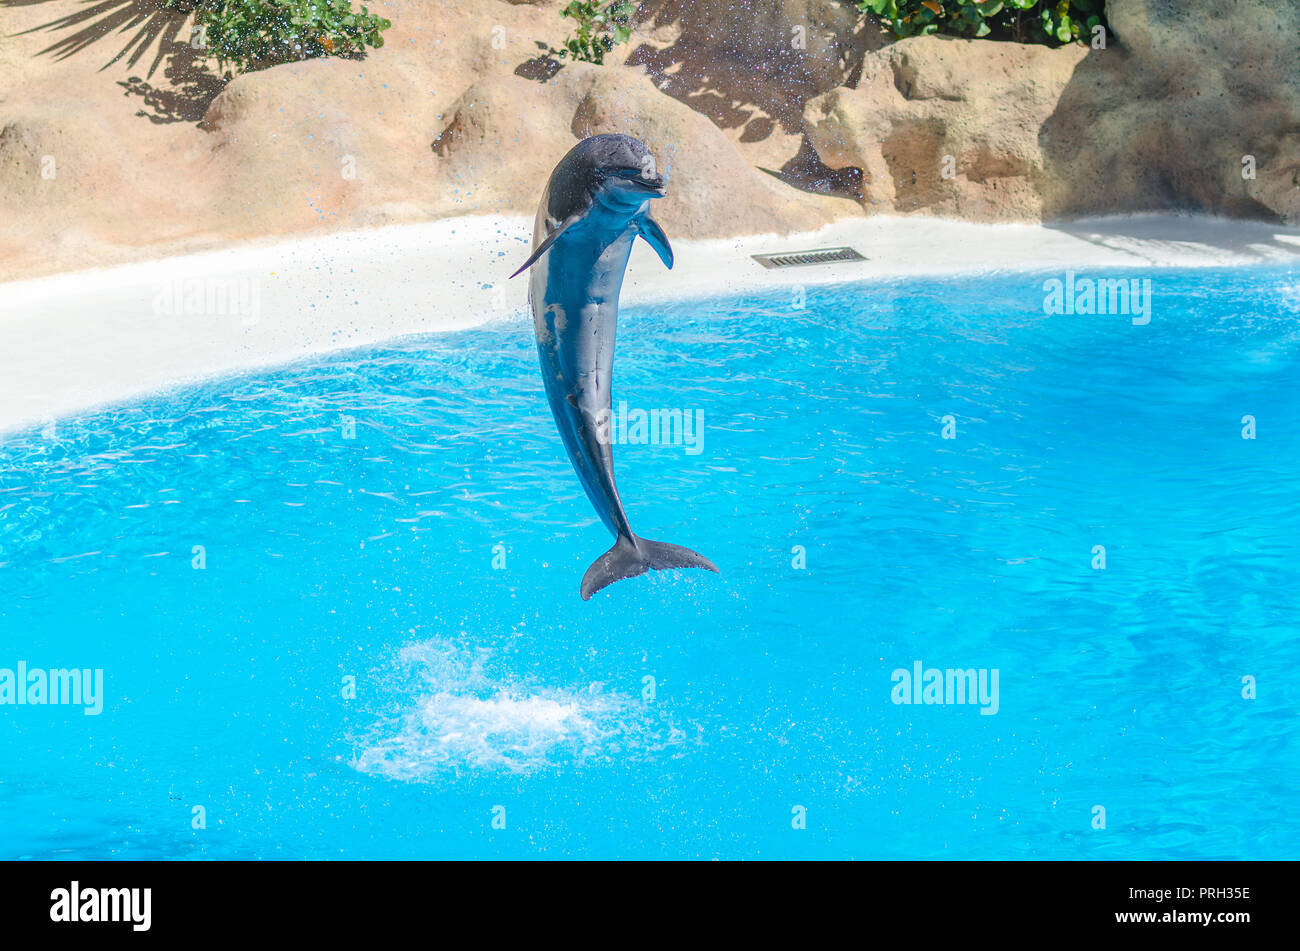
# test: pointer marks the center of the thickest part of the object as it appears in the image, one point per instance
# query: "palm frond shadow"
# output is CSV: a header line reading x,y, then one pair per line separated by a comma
x,y
153,24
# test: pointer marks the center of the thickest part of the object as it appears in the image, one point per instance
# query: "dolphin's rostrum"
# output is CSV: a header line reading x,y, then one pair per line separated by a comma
x,y
596,203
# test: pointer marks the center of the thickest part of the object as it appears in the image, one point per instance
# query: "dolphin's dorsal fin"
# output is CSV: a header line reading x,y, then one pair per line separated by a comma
x,y
655,237
550,240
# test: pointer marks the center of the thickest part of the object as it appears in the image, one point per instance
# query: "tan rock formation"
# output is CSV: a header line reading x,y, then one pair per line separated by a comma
x,y
1167,116
123,144
1184,99
505,135
946,126
109,161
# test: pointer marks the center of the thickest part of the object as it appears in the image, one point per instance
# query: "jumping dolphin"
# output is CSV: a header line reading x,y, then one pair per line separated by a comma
x,y
595,204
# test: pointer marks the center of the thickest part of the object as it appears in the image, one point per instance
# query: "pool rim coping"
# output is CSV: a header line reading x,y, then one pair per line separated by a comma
x,y
61,359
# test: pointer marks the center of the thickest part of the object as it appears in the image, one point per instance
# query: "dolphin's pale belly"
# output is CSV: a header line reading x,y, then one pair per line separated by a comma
x,y
574,297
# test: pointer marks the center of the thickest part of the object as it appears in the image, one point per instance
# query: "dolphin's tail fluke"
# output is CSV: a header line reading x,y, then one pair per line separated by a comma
x,y
635,556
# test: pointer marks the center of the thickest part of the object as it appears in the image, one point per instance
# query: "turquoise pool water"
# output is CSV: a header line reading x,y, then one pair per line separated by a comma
x,y
237,557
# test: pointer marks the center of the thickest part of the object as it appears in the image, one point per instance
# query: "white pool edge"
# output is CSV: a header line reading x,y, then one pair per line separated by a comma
x,y
73,342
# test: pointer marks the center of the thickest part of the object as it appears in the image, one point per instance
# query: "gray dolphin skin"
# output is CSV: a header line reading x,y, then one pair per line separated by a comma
x,y
596,203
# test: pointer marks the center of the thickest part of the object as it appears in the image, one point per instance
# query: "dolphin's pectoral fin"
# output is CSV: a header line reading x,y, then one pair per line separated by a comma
x,y
546,245
629,558
654,236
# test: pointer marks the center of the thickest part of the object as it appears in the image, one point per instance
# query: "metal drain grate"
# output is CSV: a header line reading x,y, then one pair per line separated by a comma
x,y
802,258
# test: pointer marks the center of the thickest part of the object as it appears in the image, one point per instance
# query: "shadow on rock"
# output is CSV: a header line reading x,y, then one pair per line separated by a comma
x,y
749,68
192,88
153,22
807,172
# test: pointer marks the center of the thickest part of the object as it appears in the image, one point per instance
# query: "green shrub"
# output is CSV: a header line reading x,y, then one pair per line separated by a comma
x,y
252,34
600,27
1026,21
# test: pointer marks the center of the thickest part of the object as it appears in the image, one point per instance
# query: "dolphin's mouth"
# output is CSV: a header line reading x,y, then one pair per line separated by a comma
x,y
656,185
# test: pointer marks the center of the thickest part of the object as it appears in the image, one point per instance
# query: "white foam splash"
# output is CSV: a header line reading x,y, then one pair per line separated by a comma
x,y
461,718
